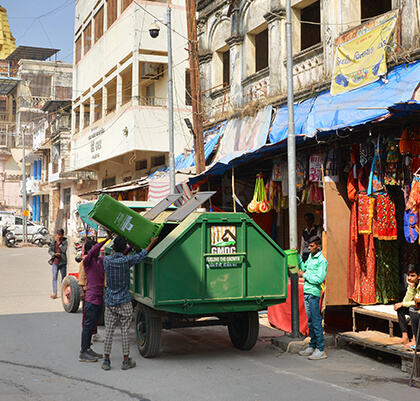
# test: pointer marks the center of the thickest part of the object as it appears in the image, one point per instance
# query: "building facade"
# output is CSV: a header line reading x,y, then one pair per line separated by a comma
x,y
120,89
243,47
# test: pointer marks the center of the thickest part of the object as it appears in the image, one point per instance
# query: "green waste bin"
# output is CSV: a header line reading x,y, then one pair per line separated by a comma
x,y
292,260
121,220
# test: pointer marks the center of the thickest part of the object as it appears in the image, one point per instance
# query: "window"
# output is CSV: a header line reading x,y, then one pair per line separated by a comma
x,y
77,120
86,115
78,49
111,12
66,202
150,95
158,161
97,112
261,51
372,8
99,24
141,164
310,31
18,221
87,38
256,50
127,85
188,98
108,182
111,95
125,4
222,67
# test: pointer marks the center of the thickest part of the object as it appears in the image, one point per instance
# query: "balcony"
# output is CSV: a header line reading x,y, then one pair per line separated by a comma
x,y
256,86
32,186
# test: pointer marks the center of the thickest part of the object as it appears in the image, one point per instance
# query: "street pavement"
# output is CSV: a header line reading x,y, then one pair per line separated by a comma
x,y
40,345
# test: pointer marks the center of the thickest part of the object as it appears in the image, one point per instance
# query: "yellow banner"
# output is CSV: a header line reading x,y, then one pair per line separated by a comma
x,y
362,60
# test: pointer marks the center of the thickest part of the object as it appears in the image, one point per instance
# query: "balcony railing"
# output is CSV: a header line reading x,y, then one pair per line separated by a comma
x,y
154,101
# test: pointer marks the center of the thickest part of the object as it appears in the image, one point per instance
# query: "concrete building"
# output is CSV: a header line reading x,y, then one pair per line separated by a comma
x,y
120,89
242,47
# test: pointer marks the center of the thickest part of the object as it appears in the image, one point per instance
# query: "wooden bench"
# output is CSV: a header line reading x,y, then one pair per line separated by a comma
x,y
384,312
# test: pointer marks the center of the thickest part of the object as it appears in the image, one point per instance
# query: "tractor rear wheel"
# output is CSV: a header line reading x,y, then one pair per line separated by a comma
x,y
70,296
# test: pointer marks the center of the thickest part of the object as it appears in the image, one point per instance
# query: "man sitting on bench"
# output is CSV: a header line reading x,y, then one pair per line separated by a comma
x,y
408,307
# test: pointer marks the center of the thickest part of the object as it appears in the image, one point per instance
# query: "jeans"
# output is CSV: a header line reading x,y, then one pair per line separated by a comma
x,y
55,269
92,315
313,312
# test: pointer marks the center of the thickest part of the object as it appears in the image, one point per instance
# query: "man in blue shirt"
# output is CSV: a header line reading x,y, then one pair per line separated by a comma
x,y
118,306
314,271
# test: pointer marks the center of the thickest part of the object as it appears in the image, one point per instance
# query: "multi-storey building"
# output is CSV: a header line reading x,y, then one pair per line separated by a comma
x,y
120,89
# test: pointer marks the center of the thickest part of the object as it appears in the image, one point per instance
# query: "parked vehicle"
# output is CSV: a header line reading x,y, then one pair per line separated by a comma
x,y
32,228
41,237
9,238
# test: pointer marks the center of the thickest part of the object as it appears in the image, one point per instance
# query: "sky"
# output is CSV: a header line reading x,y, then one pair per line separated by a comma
x,y
43,23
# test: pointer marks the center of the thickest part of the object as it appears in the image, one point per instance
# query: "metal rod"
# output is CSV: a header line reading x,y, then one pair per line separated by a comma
x,y
291,166
171,105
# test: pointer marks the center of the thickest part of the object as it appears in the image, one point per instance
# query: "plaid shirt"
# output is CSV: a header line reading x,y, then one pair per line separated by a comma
x,y
117,268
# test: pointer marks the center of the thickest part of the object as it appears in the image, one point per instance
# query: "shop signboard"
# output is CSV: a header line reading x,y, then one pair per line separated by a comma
x,y
362,60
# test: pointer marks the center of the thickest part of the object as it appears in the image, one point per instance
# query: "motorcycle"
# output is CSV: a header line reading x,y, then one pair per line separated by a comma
x,y
41,237
9,238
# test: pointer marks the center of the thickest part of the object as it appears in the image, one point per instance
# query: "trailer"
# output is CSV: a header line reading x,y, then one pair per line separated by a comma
x,y
207,269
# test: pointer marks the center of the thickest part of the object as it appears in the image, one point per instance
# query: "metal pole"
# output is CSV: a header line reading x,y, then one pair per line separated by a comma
x,y
24,201
171,105
291,164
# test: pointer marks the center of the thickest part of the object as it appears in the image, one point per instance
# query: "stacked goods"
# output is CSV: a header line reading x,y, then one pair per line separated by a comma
x,y
121,220
259,203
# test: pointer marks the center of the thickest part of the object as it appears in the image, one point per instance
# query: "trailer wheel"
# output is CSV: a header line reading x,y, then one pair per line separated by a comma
x,y
148,331
244,329
70,297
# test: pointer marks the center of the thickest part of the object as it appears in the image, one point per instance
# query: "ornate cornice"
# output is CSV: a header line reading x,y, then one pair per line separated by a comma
x,y
235,40
275,15
205,58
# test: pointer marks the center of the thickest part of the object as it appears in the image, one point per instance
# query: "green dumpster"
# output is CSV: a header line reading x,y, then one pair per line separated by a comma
x,y
207,269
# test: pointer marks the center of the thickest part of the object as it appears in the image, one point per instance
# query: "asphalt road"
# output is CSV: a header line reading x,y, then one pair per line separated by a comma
x,y
40,345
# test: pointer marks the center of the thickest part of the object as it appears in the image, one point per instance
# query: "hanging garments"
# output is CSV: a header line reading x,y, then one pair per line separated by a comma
x,y
365,206
410,221
387,271
376,183
384,222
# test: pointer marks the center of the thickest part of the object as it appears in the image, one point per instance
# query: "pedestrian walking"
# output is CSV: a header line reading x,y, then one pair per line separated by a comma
x,y
118,306
314,271
58,260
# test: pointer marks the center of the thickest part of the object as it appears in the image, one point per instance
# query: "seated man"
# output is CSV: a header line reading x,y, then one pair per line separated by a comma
x,y
407,306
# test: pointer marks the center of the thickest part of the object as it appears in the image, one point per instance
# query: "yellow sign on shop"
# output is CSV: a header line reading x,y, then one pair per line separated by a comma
x,y
361,60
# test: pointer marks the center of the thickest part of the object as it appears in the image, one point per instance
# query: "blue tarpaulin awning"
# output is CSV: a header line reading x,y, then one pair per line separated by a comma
x,y
325,113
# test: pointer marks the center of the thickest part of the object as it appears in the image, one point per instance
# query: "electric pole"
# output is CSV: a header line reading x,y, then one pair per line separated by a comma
x,y
195,86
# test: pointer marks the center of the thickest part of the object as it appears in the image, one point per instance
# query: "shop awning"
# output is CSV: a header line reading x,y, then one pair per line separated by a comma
x,y
326,113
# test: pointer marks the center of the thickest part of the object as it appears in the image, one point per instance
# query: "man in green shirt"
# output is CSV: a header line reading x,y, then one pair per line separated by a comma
x,y
314,271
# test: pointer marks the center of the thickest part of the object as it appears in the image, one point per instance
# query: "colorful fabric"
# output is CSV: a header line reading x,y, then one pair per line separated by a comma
x,y
392,170
361,268
410,221
376,183
365,206
385,223
414,198
387,271
367,152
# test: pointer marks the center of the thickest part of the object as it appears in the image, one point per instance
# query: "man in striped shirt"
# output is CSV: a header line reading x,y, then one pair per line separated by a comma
x,y
118,306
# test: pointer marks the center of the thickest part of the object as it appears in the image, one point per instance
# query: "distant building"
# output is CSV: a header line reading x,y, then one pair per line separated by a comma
x,y
120,86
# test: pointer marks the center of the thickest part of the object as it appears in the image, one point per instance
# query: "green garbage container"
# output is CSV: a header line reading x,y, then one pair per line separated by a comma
x,y
292,260
121,220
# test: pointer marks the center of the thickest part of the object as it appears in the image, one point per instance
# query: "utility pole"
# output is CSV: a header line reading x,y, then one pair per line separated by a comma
x,y
24,201
171,104
195,86
291,166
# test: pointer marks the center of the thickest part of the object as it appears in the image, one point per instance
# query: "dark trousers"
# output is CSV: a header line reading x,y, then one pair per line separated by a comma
x,y
402,320
415,319
92,315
